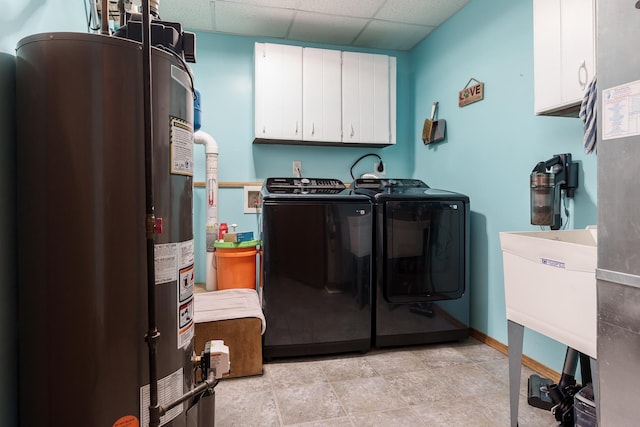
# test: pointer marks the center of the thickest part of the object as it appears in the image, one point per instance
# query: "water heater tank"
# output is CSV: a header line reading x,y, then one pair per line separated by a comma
x,y
81,227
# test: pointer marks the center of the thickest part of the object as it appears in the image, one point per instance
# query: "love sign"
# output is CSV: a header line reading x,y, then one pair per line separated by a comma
x,y
471,94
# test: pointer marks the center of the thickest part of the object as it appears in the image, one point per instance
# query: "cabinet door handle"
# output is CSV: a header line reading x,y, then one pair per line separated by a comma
x,y
264,129
352,132
582,70
313,128
296,127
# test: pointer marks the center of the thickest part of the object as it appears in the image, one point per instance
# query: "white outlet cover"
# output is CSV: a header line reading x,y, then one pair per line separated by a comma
x,y
297,168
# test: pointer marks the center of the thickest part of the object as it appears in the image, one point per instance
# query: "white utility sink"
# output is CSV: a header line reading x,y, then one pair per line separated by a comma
x,y
550,284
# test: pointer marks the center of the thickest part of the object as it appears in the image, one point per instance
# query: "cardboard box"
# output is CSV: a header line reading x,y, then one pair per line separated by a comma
x,y
242,336
550,284
244,236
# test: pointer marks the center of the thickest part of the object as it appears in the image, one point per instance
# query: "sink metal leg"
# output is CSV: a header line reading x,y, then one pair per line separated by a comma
x,y
515,336
595,379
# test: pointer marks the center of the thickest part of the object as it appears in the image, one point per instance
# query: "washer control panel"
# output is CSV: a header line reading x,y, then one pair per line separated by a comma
x,y
383,183
304,185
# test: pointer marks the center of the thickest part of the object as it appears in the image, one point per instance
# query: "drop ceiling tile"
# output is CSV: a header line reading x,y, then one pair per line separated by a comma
x,y
282,4
322,21
321,28
236,18
420,12
356,8
392,35
192,14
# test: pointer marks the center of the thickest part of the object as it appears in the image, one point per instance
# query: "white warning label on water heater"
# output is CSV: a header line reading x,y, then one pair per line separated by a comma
x,y
181,147
186,283
169,390
185,323
166,262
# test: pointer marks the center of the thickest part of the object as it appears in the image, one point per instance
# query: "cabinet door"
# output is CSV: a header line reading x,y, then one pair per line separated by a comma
x,y
547,55
365,98
380,133
278,91
578,53
564,53
392,99
321,95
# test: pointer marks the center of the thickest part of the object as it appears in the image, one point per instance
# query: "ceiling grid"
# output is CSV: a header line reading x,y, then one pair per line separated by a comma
x,y
379,24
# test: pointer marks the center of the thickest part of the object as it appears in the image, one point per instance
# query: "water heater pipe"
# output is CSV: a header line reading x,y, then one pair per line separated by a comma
x,y
104,15
150,221
211,227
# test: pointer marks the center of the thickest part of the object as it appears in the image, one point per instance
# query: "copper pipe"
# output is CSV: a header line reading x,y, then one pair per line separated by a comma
x,y
104,15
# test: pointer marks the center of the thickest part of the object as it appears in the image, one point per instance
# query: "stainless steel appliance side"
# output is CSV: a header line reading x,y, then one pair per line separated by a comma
x,y
618,271
618,171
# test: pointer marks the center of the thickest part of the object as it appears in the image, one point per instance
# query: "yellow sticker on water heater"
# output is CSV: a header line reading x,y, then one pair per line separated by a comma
x,y
181,144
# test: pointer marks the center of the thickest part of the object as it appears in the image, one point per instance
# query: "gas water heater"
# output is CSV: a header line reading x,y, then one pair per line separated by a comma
x,y
83,297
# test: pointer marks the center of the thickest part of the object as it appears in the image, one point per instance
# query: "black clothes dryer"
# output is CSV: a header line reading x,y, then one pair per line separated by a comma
x,y
317,267
421,263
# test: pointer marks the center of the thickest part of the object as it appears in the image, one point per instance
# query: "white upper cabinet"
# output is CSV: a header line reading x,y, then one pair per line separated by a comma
x,y
578,47
564,54
365,98
392,99
278,91
321,95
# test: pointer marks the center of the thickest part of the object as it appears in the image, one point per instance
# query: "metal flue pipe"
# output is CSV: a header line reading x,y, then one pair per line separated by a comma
x,y
150,220
104,15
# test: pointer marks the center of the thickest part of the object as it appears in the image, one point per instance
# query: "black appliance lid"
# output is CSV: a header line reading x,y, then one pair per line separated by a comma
x,y
388,189
289,185
383,184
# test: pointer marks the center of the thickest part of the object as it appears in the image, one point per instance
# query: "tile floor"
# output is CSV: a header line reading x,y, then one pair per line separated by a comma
x,y
457,384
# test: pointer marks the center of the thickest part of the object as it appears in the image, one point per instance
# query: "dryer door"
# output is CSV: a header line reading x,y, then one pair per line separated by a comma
x,y
423,250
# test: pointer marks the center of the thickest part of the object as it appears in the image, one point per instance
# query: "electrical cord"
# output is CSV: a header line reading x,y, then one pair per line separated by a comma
x,y
90,16
184,65
380,165
566,210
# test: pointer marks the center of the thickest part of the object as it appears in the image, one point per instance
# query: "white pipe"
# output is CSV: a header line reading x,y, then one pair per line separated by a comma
x,y
211,151
212,282
94,25
210,144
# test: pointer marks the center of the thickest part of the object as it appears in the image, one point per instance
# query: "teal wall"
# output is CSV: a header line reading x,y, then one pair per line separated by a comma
x,y
493,145
22,18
